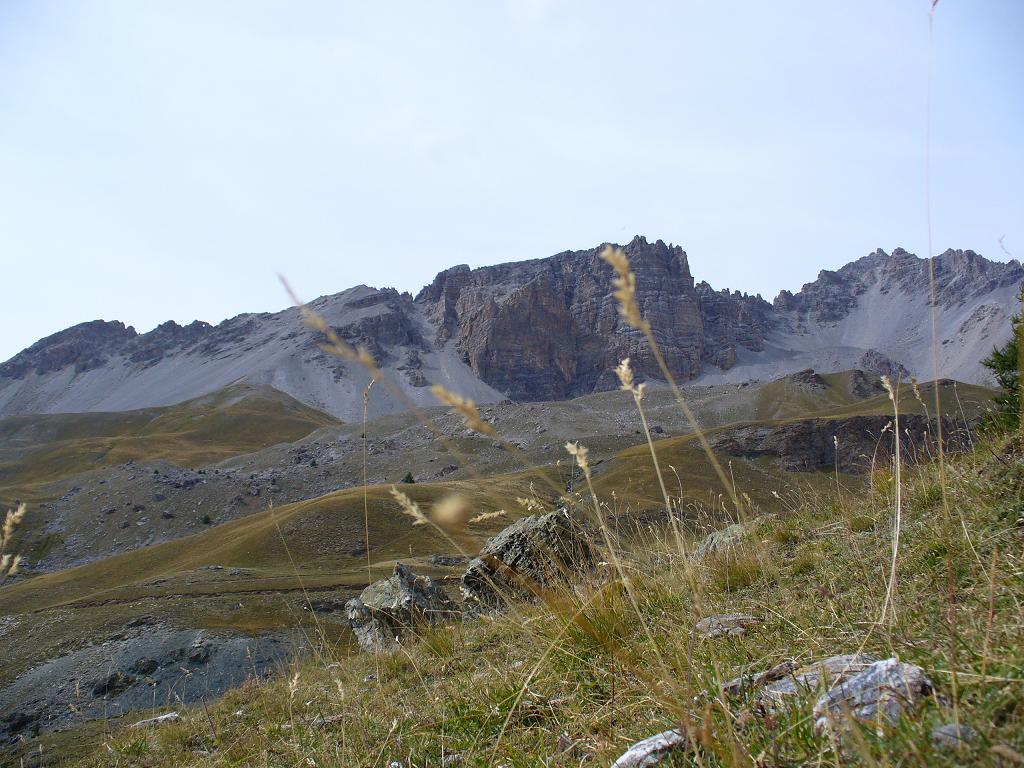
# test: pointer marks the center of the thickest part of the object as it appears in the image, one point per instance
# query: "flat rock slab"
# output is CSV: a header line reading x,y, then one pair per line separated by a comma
x,y
881,692
651,750
725,625
527,556
389,609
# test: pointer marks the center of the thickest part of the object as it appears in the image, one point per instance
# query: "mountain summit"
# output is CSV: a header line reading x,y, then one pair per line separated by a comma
x,y
543,329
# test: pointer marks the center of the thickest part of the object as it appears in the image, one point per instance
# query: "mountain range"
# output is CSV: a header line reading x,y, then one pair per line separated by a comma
x,y
541,330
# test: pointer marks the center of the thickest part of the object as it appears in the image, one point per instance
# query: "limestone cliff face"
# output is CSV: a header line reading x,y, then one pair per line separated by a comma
x,y
732,321
550,328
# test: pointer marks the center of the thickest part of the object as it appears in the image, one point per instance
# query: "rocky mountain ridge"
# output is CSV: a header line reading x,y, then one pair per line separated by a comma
x,y
544,329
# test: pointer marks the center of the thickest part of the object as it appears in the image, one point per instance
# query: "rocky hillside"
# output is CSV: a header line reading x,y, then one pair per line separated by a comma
x,y
545,329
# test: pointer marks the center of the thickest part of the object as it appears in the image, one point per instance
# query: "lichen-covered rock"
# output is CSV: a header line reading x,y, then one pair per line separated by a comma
x,y
811,677
722,541
725,624
737,686
390,608
528,555
730,537
883,691
651,750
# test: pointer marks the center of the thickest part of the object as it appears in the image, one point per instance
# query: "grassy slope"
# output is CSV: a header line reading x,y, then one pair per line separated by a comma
x,y
307,548
239,419
321,535
584,676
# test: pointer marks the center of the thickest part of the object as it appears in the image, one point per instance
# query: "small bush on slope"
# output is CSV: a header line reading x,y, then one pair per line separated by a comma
x,y
576,679
1005,364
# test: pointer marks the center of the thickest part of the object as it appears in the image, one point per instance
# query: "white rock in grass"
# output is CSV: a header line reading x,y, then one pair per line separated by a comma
x,y
651,750
170,717
722,541
726,624
882,692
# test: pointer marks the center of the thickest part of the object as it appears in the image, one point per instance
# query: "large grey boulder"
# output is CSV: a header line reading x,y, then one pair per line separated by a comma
x,y
527,556
387,610
883,691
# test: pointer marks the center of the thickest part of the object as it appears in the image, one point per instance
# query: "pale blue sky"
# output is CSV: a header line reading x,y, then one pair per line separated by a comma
x,y
162,160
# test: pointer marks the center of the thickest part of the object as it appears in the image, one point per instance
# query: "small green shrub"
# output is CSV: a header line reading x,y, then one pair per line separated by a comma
x,y
739,569
861,523
805,562
926,496
786,534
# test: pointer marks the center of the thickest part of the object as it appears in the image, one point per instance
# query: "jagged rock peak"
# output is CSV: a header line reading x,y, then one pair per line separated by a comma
x,y
549,328
85,346
960,275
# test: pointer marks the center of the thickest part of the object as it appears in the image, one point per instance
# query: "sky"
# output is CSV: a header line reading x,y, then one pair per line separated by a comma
x,y
166,160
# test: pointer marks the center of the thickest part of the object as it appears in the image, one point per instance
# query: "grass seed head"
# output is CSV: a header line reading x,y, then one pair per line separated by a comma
x,y
625,374
467,408
625,287
530,505
579,453
451,511
887,383
483,516
409,507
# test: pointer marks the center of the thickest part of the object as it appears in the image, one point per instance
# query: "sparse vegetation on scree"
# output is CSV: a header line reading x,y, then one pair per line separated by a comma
x,y
701,626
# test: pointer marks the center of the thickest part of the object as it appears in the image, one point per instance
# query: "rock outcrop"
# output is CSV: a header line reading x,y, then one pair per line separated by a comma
x,y
531,554
853,444
733,321
389,609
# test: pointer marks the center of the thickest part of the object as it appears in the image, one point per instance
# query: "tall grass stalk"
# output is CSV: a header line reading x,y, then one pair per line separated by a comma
x,y
897,518
629,310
